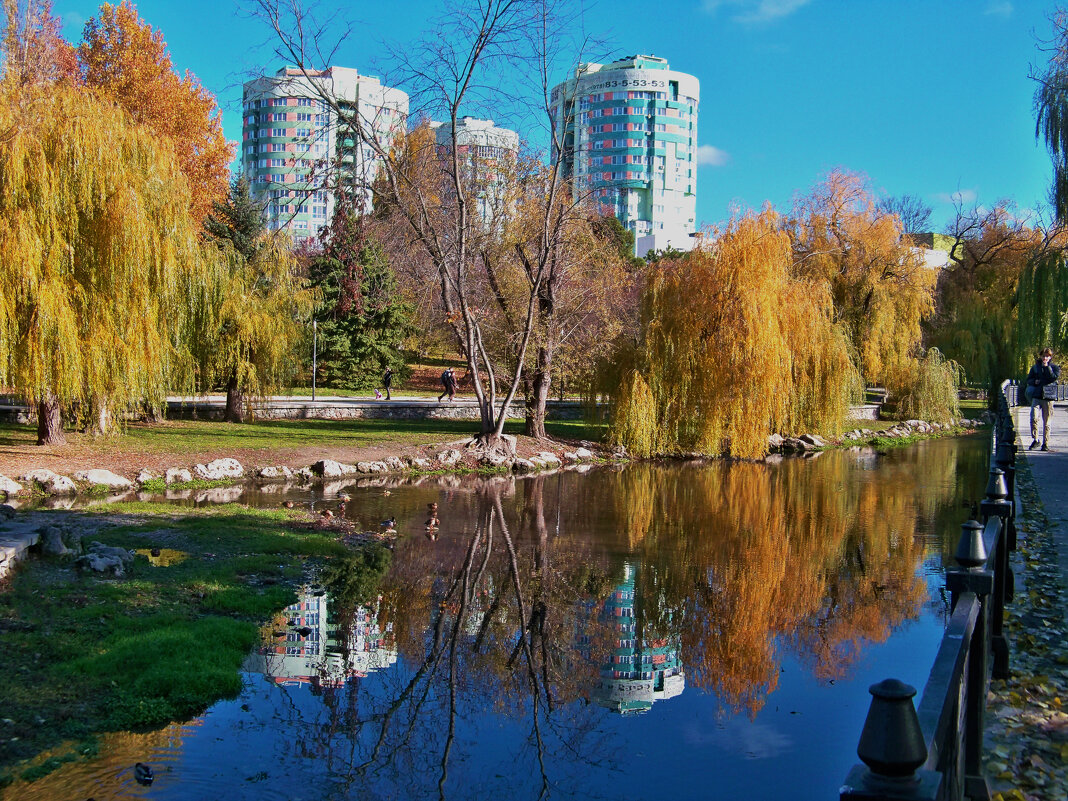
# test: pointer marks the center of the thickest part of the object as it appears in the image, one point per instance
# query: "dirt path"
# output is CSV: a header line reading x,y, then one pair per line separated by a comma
x,y
16,460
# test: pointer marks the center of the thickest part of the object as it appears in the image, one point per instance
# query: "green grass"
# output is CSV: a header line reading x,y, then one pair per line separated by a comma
x,y
87,655
194,436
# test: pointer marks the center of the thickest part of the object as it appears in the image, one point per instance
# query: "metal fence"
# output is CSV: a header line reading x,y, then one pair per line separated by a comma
x,y
1014,393
933,752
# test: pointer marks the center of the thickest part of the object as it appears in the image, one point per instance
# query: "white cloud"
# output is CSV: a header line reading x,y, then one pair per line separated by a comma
x,y
755,11
710,156
963,197
999,8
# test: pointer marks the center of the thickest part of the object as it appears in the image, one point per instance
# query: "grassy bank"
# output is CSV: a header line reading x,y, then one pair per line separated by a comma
x,y
84,655
196,436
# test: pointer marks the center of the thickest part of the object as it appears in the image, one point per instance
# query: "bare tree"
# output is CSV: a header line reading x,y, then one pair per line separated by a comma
x,y
915,215
424,182
428,198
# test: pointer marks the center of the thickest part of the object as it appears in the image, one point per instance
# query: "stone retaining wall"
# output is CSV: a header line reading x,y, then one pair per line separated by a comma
x,y
352,410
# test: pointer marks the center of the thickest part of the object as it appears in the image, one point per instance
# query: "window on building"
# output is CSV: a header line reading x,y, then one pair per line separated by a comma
x,y
278,131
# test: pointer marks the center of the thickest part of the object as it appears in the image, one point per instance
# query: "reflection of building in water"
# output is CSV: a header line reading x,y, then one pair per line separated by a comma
x,y
323,655
644,667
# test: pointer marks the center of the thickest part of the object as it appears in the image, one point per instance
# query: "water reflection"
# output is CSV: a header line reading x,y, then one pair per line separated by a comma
x,y
644,666
504,658
305,645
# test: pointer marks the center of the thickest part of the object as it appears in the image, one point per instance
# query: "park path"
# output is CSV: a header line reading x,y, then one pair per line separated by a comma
x,y
1027,715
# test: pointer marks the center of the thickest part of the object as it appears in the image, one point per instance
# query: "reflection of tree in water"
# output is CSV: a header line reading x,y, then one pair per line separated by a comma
x,y
815,558
732,564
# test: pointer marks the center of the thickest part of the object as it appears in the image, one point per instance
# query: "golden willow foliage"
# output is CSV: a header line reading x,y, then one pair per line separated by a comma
x,y
256,313
1042,308
880,287
977,321
97,244
734,348
927,388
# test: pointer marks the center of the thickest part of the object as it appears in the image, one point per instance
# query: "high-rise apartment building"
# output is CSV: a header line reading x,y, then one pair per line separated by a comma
x,y
485,150
629,141
298,154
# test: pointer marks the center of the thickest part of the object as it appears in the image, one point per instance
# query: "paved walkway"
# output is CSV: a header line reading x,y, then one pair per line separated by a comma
x,y
1050,472
1027,723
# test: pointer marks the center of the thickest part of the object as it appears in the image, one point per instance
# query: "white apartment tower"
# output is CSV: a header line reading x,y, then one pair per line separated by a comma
x,y
629,140
485,149
297,153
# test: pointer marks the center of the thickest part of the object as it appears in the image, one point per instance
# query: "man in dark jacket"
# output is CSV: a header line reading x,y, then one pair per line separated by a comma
x,y
1042,389
448,380
387,381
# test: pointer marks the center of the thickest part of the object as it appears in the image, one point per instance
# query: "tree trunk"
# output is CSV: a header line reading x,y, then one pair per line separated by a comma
x,y
235,402
151,412
50,422
104,419
539,395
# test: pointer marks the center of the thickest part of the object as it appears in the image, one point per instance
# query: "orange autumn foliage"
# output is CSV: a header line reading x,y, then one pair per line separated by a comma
x,y
127,62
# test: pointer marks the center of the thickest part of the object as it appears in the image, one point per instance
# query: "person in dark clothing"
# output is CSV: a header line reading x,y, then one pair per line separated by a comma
x,y
387,381
1042,391
448,380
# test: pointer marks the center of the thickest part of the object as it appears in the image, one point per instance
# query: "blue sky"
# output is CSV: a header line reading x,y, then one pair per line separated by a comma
x,y
927,97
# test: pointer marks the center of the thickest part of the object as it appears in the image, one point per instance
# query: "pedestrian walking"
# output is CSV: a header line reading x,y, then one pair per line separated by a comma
x,y
387,381
1041,390
448,381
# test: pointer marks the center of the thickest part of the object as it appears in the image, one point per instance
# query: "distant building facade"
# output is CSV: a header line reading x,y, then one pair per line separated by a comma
x,y
629,139
485,150
297,154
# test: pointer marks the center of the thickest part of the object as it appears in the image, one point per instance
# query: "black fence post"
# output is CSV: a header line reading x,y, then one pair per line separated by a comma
x,y
973,579
996,504
892,749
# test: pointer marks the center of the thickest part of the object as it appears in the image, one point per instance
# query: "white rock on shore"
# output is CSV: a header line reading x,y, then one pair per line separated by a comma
x,y
275,472
328,468
450,457
104,478
50,483
177,475
144,475
9,487
219,470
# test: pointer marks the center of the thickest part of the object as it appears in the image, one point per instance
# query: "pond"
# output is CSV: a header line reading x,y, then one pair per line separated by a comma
x,y
683,630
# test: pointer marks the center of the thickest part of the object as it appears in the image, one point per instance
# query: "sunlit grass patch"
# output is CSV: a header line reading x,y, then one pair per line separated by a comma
x,y
84,655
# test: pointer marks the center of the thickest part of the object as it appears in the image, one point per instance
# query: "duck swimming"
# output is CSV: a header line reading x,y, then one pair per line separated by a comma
x,y
143,774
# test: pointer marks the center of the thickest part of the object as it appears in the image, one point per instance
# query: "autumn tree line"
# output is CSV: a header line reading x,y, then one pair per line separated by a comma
x,y
133,265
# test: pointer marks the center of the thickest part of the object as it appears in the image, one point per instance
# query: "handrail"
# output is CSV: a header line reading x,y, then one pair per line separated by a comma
x,y
934,753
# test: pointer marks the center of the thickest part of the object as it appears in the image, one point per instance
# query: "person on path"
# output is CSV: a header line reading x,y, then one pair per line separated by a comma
x,y
387,380
448,380
1042,391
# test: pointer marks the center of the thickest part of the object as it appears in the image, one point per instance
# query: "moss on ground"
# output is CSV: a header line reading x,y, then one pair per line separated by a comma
x,y
84,655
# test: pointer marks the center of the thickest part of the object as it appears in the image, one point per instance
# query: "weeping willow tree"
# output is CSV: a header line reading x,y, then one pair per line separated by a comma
x,y
976,323
96,250
1051,109
1042,307
733,348
256,313
880,287
927,387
